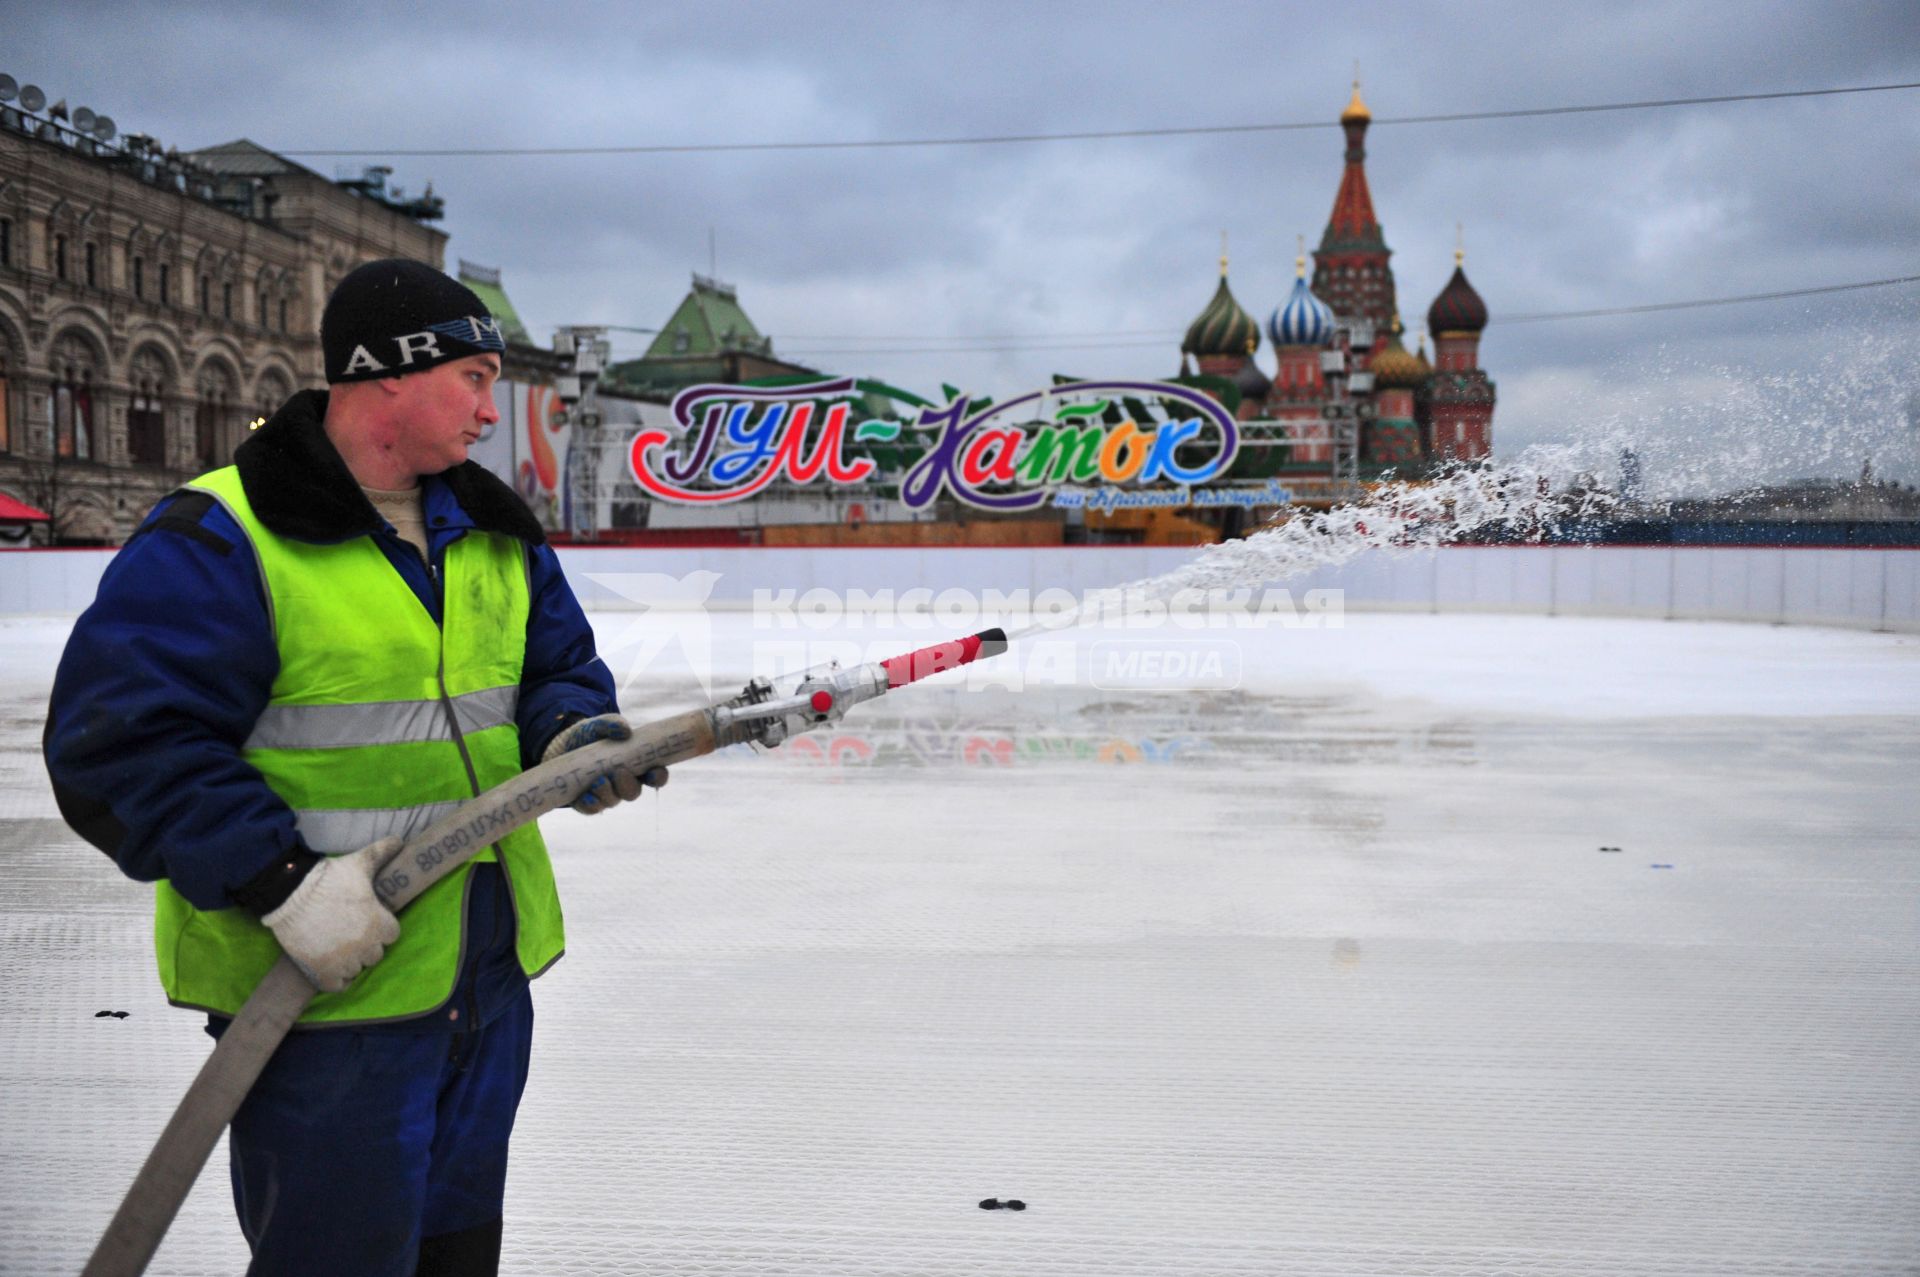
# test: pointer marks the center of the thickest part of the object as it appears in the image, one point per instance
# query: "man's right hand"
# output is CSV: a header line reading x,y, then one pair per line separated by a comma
x,y
333,926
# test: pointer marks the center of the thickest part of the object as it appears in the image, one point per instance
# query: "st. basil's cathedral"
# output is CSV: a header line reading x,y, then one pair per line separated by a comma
x,y
1347,397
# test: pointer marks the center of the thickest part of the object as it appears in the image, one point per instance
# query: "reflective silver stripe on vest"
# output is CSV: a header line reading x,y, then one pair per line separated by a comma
x,y
351,828
379,722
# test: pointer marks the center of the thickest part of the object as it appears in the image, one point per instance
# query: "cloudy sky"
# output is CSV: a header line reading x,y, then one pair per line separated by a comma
x,y
992,267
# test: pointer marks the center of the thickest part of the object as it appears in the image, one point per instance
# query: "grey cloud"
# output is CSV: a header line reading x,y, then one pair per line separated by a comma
x,y
1562,213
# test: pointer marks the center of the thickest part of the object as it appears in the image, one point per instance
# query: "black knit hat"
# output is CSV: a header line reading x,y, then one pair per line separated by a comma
x,y
393,317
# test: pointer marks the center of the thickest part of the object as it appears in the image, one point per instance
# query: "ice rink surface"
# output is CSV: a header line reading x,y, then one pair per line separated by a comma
x,y
1325,972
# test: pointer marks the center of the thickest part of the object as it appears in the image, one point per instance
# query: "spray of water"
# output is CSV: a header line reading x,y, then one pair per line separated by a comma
x,y
1535,494
1720,427
1692,429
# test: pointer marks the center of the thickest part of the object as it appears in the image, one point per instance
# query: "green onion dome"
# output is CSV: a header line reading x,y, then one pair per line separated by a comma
x,y
1222,328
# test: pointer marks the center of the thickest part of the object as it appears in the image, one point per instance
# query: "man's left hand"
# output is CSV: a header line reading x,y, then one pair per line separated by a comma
x,y
613,787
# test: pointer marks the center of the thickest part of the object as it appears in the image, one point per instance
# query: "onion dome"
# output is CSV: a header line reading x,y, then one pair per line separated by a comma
x,y
1356,109
1394,367
1222,328
1253,383
1458,309
1303,319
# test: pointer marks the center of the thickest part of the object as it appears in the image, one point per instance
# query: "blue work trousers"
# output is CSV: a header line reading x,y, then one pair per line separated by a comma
x,y
376,1153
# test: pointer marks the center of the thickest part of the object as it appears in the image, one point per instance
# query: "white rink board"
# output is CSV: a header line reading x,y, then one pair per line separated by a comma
x,y
1871,589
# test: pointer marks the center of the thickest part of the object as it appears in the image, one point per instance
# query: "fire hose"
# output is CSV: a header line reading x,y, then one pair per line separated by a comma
x,y
758,715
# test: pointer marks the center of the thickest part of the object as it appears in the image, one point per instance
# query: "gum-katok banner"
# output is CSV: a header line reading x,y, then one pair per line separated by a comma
x,y
733,441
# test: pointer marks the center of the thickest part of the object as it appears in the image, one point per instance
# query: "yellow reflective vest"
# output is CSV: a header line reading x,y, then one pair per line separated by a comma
x,y
379,721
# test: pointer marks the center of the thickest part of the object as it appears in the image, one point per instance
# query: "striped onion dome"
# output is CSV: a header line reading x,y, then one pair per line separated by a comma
x,y
1222,328
1458,309
1394,367
1303,320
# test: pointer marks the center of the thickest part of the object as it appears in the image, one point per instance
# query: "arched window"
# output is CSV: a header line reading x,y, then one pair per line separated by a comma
x,y
213,415
273,391
90,256
147,413
60,257
226,300
139,271
74,426
166,283
206,294
283,314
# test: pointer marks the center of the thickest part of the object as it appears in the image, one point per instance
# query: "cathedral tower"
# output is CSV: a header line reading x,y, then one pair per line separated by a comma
x,y
1391,437
1301,327
1222,339
1456,405
1350,271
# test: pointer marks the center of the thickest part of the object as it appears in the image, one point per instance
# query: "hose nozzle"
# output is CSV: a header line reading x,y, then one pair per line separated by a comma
x,y
914,666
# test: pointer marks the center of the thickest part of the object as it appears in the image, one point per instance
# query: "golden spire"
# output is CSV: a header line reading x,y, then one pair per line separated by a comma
x,y
1459,244
1223,254
1300,262
1356,109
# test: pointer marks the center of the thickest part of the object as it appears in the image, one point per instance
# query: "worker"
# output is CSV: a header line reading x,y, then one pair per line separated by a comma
x,y
294,663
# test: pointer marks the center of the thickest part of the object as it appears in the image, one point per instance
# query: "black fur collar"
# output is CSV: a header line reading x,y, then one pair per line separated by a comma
x,y
299,487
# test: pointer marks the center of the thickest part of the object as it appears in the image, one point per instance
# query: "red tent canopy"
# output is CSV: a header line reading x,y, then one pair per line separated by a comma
x,y
12,511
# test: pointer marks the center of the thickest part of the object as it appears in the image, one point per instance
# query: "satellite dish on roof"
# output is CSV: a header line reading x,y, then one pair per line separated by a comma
x,y
83,119
32,98
9,88
103,127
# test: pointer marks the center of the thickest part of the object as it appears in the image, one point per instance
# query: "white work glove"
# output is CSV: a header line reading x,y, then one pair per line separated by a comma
x,y
333,926
614,787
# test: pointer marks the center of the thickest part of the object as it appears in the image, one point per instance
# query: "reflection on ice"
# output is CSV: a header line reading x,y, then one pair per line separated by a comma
x,y
1078,726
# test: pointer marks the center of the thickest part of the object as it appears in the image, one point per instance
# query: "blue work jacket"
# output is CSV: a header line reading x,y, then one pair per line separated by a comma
x,y
164,675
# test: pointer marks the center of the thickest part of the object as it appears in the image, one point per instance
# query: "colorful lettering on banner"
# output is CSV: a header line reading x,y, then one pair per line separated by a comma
x,y
975,451
732,442
770,447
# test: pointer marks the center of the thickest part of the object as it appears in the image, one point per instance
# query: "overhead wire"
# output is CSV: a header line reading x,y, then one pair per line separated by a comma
x,y
964,350
1650,307
1043,342
1087,135
1007,343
